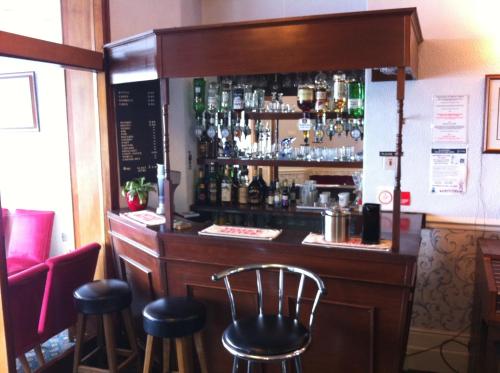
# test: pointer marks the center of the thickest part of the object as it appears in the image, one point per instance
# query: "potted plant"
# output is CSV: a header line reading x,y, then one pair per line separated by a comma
x,y
136,192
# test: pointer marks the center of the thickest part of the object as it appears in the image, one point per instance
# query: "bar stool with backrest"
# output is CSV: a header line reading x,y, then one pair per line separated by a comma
x,y
176,318
269,337
104,298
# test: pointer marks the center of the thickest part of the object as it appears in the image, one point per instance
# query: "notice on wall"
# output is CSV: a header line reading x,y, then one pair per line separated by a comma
x,y
448,171
449,118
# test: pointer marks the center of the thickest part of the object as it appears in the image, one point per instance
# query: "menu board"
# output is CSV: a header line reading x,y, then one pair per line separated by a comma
x,y
138,118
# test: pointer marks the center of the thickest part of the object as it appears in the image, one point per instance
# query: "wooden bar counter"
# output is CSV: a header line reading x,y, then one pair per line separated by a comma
x,y
361,324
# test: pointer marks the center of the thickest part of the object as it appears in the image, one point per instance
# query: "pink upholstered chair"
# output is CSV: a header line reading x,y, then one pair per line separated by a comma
x,y
66,273
24,299
30,236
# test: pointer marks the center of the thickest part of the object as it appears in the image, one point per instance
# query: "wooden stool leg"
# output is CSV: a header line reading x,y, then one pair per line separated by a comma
x,y
148,356
166,355
129,327
110,343
39,355
24,363
184,360
200,351
80,329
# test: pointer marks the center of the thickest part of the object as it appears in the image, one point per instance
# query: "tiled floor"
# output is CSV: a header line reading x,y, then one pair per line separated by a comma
x,y
52,348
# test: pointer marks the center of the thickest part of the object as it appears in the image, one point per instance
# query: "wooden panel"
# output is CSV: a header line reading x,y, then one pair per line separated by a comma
x,y
7,353
17,46
340,329
347,335
133,61
141,270
320,260
143,238
140,279
307,45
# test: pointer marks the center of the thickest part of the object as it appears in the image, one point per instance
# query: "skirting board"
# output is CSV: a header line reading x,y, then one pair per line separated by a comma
x,y
420,339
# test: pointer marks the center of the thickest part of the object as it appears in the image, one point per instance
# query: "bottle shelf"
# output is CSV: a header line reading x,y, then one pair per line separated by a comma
x,y
283,116
280,163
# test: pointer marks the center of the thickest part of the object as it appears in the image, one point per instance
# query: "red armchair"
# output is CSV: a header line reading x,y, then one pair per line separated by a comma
x,y
66,273
24,299
30,236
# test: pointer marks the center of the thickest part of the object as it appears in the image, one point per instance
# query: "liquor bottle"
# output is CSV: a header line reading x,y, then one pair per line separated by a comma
x,y
277,194
293,193
199,96
226,186
201,195
285,195
254,197
212,97
355,102
339,94
213,186
238,99
243,188
270,195
203,140
235,189
262,186
225,95
321,86
305,102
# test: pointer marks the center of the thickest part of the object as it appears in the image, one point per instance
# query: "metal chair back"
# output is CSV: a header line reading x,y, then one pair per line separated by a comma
x,y
303,273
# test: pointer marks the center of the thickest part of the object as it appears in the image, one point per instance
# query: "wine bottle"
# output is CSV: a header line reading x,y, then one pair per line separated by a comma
x,y
226,187
213,186
254,195
201,195
243,188
262,186
293,193
285,194
277,194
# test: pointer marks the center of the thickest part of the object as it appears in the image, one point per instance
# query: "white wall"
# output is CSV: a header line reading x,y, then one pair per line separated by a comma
x,y
461,45
34,166
129,17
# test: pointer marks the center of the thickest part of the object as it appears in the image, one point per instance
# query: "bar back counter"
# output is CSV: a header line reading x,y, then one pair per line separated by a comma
x,y
362,323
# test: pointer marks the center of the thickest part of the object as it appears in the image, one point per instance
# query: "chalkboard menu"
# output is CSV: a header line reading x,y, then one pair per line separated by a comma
x,y
138,118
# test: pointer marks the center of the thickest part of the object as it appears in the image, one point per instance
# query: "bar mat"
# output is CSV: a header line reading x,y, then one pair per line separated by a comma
x,y
240,232
315,239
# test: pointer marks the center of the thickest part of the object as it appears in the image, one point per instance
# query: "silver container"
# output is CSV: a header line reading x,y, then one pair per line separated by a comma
x,y
336,225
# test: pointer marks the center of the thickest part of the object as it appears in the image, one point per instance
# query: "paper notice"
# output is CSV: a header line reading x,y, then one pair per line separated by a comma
x,y
448,170
449,118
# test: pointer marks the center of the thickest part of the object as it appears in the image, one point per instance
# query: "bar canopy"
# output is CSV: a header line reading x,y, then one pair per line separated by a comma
x,y
359,40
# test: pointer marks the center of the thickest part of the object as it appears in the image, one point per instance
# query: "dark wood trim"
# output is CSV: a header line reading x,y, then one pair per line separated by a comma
x,y
399,150
18,46
7,357
384,38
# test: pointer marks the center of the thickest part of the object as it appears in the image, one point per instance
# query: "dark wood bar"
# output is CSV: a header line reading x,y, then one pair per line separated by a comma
x,y
361,324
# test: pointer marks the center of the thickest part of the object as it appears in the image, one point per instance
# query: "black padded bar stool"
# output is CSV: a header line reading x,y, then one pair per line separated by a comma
x,y
176,318
103,298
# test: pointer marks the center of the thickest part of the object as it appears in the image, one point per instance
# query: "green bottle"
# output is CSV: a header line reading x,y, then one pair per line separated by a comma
x,y
355,102
199,96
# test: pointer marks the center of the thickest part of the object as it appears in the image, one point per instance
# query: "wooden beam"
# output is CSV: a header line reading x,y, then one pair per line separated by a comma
x,y
24,47
396,209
